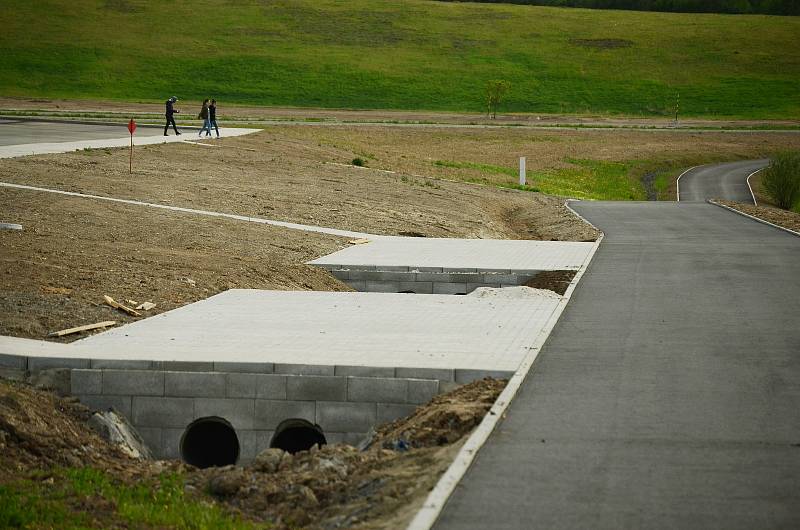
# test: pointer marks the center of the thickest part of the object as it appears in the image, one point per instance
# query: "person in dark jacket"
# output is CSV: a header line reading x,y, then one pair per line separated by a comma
x,y
169,114
212,117
204,116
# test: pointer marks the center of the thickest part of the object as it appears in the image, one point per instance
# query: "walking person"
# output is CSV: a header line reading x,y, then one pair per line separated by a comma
x,y
170,110
212,117
204,116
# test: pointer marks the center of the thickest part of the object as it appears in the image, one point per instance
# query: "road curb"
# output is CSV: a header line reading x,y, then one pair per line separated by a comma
x,y
427,516
754,218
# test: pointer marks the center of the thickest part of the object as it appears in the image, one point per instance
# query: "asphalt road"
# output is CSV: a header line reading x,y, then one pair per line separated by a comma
x,y
17,132
667,396
719,181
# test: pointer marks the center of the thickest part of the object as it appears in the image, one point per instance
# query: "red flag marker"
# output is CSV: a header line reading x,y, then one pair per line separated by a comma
x,y
131,129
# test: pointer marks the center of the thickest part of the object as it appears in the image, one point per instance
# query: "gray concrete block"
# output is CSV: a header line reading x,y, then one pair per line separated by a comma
x,y
431,277
271,386
151,437
248,368
270,413
358,285
364,371
121,404
133,382
194,384
186,366
458,270
37,364
86,382
416,287
374,389
382,287
15,362
388,412
120,364
239,412
247,445
449,288
171,444
263,439
162,411
422,390
366,275
494,271
347,438
515,279
426,269
392,268
447,386
467,376
346,417
304,369
316,388
442,374
341,274
241,385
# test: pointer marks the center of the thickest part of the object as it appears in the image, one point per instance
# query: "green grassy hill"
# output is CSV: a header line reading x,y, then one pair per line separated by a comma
x,y
411,54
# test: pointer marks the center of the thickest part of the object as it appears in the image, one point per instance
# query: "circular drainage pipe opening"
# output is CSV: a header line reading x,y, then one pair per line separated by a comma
x,y
295,435
209,442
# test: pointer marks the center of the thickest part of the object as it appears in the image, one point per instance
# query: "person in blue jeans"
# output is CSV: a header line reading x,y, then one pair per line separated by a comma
x,y
212,117
204,116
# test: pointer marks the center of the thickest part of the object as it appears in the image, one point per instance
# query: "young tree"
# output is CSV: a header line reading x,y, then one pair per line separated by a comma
x,y
495,90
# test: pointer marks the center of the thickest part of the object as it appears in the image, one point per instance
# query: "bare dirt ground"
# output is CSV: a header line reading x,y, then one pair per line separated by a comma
x,y
776,216
337,486
277,113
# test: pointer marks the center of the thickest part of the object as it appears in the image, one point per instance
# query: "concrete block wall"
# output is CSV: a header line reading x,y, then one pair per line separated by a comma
x,y
162,403
428,280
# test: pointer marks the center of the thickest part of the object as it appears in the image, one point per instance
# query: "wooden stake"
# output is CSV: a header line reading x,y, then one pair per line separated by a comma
x,y
78,329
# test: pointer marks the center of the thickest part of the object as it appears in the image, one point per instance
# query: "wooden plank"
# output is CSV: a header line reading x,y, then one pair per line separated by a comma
x,y
116,305
87,327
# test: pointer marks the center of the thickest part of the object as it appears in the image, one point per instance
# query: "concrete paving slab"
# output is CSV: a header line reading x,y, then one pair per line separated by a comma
x,y
463,254
329,329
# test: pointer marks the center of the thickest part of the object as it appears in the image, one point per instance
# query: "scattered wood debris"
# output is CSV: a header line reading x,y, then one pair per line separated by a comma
x,y
146,306
87,327
116,305
359,241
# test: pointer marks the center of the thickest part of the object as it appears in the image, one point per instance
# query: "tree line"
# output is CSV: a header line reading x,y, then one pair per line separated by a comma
x,y
765,7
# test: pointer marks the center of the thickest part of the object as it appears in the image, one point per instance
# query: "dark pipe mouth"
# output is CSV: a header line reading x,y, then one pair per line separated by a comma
x,y
295,435
210,442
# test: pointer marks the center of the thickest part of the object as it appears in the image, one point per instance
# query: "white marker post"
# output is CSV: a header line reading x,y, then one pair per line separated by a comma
x,y
522,171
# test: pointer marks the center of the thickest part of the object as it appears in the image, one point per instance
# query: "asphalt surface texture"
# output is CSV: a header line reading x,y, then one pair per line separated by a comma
x,y
668,394
18,132
719,181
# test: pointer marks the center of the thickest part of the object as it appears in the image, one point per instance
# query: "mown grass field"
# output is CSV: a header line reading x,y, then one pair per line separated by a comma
x,y
410,54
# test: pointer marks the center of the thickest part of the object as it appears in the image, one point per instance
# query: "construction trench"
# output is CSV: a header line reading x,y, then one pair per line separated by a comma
x,y
217,381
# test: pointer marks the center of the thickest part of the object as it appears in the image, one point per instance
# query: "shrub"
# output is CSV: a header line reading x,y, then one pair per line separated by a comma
x,y
781,180
358,162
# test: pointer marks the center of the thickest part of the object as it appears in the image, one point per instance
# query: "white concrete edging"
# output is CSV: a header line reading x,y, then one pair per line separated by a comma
x,y
753,217
435,502
678,183
755,202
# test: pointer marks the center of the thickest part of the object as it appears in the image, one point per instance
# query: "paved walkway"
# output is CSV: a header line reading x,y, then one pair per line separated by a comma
x,y
668,394
719,181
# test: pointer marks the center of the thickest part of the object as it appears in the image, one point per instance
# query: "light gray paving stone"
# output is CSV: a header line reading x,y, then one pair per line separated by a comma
x,y
244,367
239,412
151,437
449,288
171,443
162,411
346,417
121,404
15,362
388,412
270,413
121,364
86,382
364,371
442,374
133,382
304,369
37,364
422,390
316,388
467,376
382,287
374,389
194,384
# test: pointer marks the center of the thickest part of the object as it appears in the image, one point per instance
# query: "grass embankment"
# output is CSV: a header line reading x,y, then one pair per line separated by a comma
x,y
403,55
